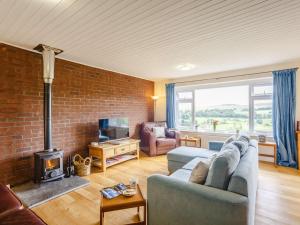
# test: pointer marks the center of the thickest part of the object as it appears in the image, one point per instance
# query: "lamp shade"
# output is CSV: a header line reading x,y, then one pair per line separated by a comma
x,y
155,97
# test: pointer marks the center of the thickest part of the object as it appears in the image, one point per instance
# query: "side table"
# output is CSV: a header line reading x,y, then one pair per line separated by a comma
x,y
122,202
269,144
192,140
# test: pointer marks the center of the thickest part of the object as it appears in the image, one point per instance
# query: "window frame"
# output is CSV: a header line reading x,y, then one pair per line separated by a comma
x,y
178,101
267,81
252,99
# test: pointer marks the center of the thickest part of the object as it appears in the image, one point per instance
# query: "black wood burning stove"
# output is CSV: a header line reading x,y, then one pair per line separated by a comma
x,y
48,164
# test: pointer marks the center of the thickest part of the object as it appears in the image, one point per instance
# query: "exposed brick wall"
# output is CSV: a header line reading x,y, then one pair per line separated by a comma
x,y
81,95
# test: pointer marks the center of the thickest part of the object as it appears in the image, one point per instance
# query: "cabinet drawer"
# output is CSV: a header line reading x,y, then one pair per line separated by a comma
x,y
122,149
109,152
95,151
133,147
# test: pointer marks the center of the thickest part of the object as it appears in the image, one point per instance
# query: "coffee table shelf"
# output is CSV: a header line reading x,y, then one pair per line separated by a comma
x,y
117,161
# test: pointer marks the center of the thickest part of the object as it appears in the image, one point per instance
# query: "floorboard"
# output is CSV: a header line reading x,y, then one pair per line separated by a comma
x,y
278,196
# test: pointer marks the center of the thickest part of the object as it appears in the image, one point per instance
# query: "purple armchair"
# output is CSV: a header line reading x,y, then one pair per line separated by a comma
x,y
152,145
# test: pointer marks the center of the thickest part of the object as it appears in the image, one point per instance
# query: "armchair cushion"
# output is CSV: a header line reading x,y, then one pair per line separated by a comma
x,y
163,142
159,132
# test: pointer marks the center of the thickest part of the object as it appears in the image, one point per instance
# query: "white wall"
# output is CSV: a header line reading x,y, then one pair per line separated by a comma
x,y
160,85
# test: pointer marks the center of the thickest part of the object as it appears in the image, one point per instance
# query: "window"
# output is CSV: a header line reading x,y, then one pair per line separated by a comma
x,y
226,108
185,109
224,105
261,108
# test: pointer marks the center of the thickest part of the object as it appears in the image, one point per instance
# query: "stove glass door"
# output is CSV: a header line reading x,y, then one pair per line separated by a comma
x,y
51,164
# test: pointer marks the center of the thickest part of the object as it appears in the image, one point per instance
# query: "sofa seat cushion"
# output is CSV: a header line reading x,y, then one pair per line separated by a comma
x,y
192,164
165,142
24,217
185,154
8,200
182,174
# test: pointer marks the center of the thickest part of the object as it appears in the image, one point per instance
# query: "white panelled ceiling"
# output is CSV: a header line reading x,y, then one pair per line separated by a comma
x,y
153,39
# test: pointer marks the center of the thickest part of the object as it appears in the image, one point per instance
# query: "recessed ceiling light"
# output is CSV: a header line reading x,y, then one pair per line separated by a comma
x,y
185,66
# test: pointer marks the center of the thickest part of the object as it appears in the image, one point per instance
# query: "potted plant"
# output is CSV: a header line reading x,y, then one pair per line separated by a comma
x,y
215,124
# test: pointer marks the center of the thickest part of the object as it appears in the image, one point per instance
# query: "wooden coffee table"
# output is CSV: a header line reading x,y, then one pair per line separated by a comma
x,y
122,202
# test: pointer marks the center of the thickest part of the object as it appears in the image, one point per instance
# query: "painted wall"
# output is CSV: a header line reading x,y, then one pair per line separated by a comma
x,y
160,85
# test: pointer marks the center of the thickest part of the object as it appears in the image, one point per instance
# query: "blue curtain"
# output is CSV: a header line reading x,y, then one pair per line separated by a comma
x,y
284,106
170,93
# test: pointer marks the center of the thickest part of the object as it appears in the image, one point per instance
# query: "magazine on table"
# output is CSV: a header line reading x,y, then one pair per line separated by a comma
x,y
115,191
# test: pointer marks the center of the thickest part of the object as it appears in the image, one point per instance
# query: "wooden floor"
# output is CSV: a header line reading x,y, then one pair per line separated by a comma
x,y
278,196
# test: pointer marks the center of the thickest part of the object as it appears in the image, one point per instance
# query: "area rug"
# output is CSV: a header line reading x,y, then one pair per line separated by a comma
x,y
32,194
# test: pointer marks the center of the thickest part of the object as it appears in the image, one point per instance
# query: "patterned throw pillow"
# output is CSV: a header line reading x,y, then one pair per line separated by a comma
x,y
244,137
159,132
242,146
230,139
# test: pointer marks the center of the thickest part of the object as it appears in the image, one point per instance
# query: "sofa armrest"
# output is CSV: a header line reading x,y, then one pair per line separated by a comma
x,y
8,200
172,201
215,145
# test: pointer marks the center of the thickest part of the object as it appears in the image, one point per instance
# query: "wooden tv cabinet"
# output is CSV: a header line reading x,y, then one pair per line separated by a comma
x,y
105,155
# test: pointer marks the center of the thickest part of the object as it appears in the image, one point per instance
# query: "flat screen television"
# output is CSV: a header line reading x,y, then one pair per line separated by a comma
x,y
113,129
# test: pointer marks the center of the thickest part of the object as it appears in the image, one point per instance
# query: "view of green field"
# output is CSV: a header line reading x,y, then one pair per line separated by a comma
x,y
230,118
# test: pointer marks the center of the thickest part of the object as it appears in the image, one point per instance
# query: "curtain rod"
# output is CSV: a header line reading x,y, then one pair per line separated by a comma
x,y
217,78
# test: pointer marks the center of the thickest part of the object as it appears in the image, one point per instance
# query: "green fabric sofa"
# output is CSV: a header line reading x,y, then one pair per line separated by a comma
x,y
172,200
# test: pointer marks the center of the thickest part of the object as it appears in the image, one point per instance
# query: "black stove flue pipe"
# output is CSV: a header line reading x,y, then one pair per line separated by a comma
x,y
48,116
48,54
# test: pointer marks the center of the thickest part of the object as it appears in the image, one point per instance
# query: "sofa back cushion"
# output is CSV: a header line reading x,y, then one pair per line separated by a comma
x,y
222,167
243,180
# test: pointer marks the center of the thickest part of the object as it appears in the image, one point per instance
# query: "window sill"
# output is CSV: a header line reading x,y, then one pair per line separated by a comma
x,y
211,133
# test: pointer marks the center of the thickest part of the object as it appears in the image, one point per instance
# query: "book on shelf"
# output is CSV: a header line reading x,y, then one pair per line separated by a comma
x,y
118,158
